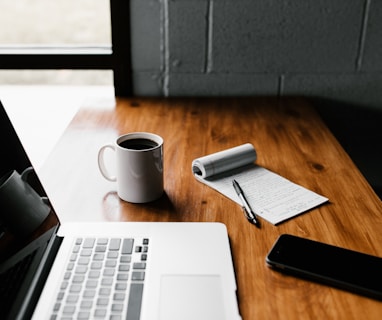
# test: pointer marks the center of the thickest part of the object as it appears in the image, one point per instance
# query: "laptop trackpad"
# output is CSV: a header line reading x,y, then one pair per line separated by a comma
x,y
191,297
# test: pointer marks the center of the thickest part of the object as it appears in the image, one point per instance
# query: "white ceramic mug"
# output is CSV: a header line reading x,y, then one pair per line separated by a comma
x,y
139,170
22,209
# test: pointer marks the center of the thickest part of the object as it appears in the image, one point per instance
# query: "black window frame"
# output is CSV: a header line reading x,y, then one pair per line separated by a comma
x,y
116,57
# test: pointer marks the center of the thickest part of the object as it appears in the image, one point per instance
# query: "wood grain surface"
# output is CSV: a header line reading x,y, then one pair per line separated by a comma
x,y
290,140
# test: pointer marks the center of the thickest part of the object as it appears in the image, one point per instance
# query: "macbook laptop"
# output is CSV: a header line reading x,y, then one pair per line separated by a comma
x,y
112,270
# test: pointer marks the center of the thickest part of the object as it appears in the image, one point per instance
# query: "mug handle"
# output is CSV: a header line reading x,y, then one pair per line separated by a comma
x,y
101,163
24,177
25,173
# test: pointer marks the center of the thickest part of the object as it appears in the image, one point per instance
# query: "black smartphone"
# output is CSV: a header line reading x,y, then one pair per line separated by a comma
x,y
342,268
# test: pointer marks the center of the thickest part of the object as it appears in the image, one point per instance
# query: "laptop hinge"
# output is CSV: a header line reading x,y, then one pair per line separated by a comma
x,y
38,281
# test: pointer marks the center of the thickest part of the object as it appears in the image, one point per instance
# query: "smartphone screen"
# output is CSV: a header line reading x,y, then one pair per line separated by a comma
x,y
350,270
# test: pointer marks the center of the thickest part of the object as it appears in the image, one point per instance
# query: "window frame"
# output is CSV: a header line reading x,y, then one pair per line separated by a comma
x,y
116,57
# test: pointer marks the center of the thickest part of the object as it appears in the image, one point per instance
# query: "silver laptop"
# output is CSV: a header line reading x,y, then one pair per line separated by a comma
x,y
116,270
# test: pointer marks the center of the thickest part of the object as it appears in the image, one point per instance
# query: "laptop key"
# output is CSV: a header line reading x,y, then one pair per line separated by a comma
x,y
89,294
125,259
104,292
83,315
88,243
72,298
117,307
135,301
86,304
122,276
81,270
96,265
86,253
78,279
110,263
102,241
64,285
56,306
138,276
102,302
99,257
108,272
100,249
139,265
120,286
124,267
75,288
69,310
94,274
114,244
91,284
107,281
119,297
127,246
100,313
112,255
84,260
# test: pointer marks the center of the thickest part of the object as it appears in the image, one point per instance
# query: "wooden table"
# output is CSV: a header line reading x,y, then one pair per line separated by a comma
x,y
290,139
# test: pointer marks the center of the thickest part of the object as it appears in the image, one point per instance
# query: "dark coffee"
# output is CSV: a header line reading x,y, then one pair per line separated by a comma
x,y
138,144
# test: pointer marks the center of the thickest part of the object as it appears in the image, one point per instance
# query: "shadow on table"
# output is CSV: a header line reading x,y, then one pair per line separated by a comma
x,y
359,131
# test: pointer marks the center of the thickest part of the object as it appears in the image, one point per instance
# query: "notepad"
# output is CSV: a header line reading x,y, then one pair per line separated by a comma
x,y
271,196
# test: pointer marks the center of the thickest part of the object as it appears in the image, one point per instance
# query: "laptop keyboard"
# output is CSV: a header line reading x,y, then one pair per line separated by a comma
x,y
103,280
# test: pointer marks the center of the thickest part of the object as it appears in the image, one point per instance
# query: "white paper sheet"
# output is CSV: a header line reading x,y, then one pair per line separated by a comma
x,y
271,196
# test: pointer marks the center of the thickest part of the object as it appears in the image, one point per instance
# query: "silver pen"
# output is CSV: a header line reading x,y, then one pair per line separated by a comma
x,y
249,214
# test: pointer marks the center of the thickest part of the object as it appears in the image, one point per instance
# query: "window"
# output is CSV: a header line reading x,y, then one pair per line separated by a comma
x,y
62,37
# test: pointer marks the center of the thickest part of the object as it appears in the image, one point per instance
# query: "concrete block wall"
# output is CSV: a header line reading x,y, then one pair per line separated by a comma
x,y
326,48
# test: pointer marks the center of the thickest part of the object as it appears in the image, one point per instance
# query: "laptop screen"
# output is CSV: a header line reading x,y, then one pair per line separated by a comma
x,y
26,217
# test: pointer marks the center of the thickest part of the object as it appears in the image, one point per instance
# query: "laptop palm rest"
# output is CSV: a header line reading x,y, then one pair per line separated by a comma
x,y
191,297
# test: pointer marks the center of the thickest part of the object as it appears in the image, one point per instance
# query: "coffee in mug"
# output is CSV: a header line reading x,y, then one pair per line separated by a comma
x,y
138,144
139,170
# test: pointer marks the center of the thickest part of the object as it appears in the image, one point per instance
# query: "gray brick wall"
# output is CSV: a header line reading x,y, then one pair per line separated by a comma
x,y
324,48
